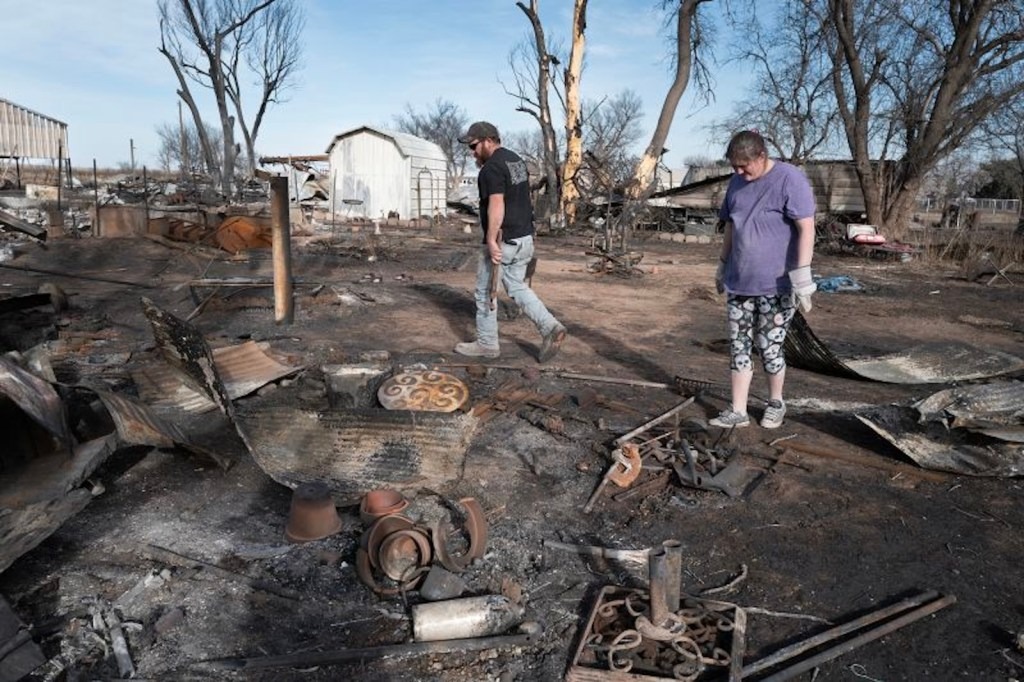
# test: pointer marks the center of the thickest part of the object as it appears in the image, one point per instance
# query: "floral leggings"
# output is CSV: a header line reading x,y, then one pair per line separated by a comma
x,y
761,322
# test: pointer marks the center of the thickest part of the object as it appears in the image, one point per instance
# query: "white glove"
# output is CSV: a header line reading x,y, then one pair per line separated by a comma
x,y
720,277
803,286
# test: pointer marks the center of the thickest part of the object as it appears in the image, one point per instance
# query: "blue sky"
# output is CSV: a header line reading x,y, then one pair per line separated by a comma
x,y
95,66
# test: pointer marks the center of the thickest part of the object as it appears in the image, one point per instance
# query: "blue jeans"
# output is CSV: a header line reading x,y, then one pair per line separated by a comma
x,y
514,260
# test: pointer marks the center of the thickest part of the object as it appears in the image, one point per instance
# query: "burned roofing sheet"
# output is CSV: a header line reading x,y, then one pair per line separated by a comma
x,y
975,430
929,363
354,451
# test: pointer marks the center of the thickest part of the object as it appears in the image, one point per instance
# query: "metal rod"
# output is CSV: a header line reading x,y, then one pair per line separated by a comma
x,y
861,639
334,191
603,552
654,422
657,566
96,199
837,631
60,164
673,573
145,194
74,276
613,380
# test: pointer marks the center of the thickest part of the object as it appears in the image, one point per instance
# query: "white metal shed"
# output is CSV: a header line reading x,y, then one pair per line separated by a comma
x,y
376,173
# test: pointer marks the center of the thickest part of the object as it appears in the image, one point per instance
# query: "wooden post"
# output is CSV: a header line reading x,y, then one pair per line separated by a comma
x,y
282,249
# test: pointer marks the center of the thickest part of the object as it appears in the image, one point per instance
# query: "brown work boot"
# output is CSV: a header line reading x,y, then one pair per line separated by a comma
x,y
474,350
551,343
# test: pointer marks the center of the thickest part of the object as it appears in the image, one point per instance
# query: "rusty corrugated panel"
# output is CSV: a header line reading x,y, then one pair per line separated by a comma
x,y
137,424
162,387
929,363
243,369
355,451
185,348
248,367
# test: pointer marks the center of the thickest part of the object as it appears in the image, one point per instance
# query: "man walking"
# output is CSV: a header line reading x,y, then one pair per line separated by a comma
x,y
506,217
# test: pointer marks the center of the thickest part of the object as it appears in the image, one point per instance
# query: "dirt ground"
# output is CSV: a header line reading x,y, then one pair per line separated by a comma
x,y
816,537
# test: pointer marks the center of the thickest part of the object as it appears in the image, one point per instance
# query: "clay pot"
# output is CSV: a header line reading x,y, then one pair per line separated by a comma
x,y
379,503
313,515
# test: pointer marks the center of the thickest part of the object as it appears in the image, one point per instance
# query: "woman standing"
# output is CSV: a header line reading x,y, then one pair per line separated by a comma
x,y
764,268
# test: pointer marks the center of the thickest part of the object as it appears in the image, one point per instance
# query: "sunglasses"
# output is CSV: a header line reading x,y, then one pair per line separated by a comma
x,y
472,145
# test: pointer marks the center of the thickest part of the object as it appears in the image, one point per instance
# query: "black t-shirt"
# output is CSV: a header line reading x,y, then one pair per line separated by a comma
x,y
505,173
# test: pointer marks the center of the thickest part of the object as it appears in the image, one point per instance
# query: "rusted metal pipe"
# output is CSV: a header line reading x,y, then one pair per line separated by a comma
x,y
673,573
654,422
657,567
861,639
800,647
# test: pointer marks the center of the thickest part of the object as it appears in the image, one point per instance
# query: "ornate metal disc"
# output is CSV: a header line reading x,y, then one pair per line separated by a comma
x,y
426,391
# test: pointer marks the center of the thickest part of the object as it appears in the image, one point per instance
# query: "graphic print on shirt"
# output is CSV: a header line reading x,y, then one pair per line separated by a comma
x,y
517,171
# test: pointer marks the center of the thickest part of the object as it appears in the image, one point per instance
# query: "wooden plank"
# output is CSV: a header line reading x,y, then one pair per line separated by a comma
x,y
16,223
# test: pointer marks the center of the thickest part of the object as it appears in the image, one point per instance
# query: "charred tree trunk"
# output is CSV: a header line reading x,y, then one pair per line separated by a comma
x,y
543,113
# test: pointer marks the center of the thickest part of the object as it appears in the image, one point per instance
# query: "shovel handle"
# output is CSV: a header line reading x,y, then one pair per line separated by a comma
x,y
493,290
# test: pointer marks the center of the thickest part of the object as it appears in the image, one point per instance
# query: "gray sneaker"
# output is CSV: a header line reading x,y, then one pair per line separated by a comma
x,y
774,412
474,350
730,419
552,342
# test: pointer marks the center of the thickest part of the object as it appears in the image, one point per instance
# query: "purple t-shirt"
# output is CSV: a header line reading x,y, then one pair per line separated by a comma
x,y
764,237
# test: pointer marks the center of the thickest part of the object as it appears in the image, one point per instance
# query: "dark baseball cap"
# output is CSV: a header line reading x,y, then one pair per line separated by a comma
x,y
479,131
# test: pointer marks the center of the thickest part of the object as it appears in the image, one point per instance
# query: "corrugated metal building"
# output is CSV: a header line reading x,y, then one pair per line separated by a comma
x,y
26,134
376,173
836,189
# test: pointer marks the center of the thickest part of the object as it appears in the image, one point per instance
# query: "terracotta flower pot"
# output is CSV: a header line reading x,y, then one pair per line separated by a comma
x,y
313,515
381,502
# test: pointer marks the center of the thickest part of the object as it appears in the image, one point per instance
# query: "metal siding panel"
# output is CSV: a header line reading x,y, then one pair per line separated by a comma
x,y
27,134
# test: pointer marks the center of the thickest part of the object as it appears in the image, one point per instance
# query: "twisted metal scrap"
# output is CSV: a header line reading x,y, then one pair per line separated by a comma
x,y
691,633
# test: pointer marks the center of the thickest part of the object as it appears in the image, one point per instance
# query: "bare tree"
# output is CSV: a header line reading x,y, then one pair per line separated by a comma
x,y
206,41
611,128
1004,137
532,70
916,81
792,103
273,55
180,147
442,124
689,38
